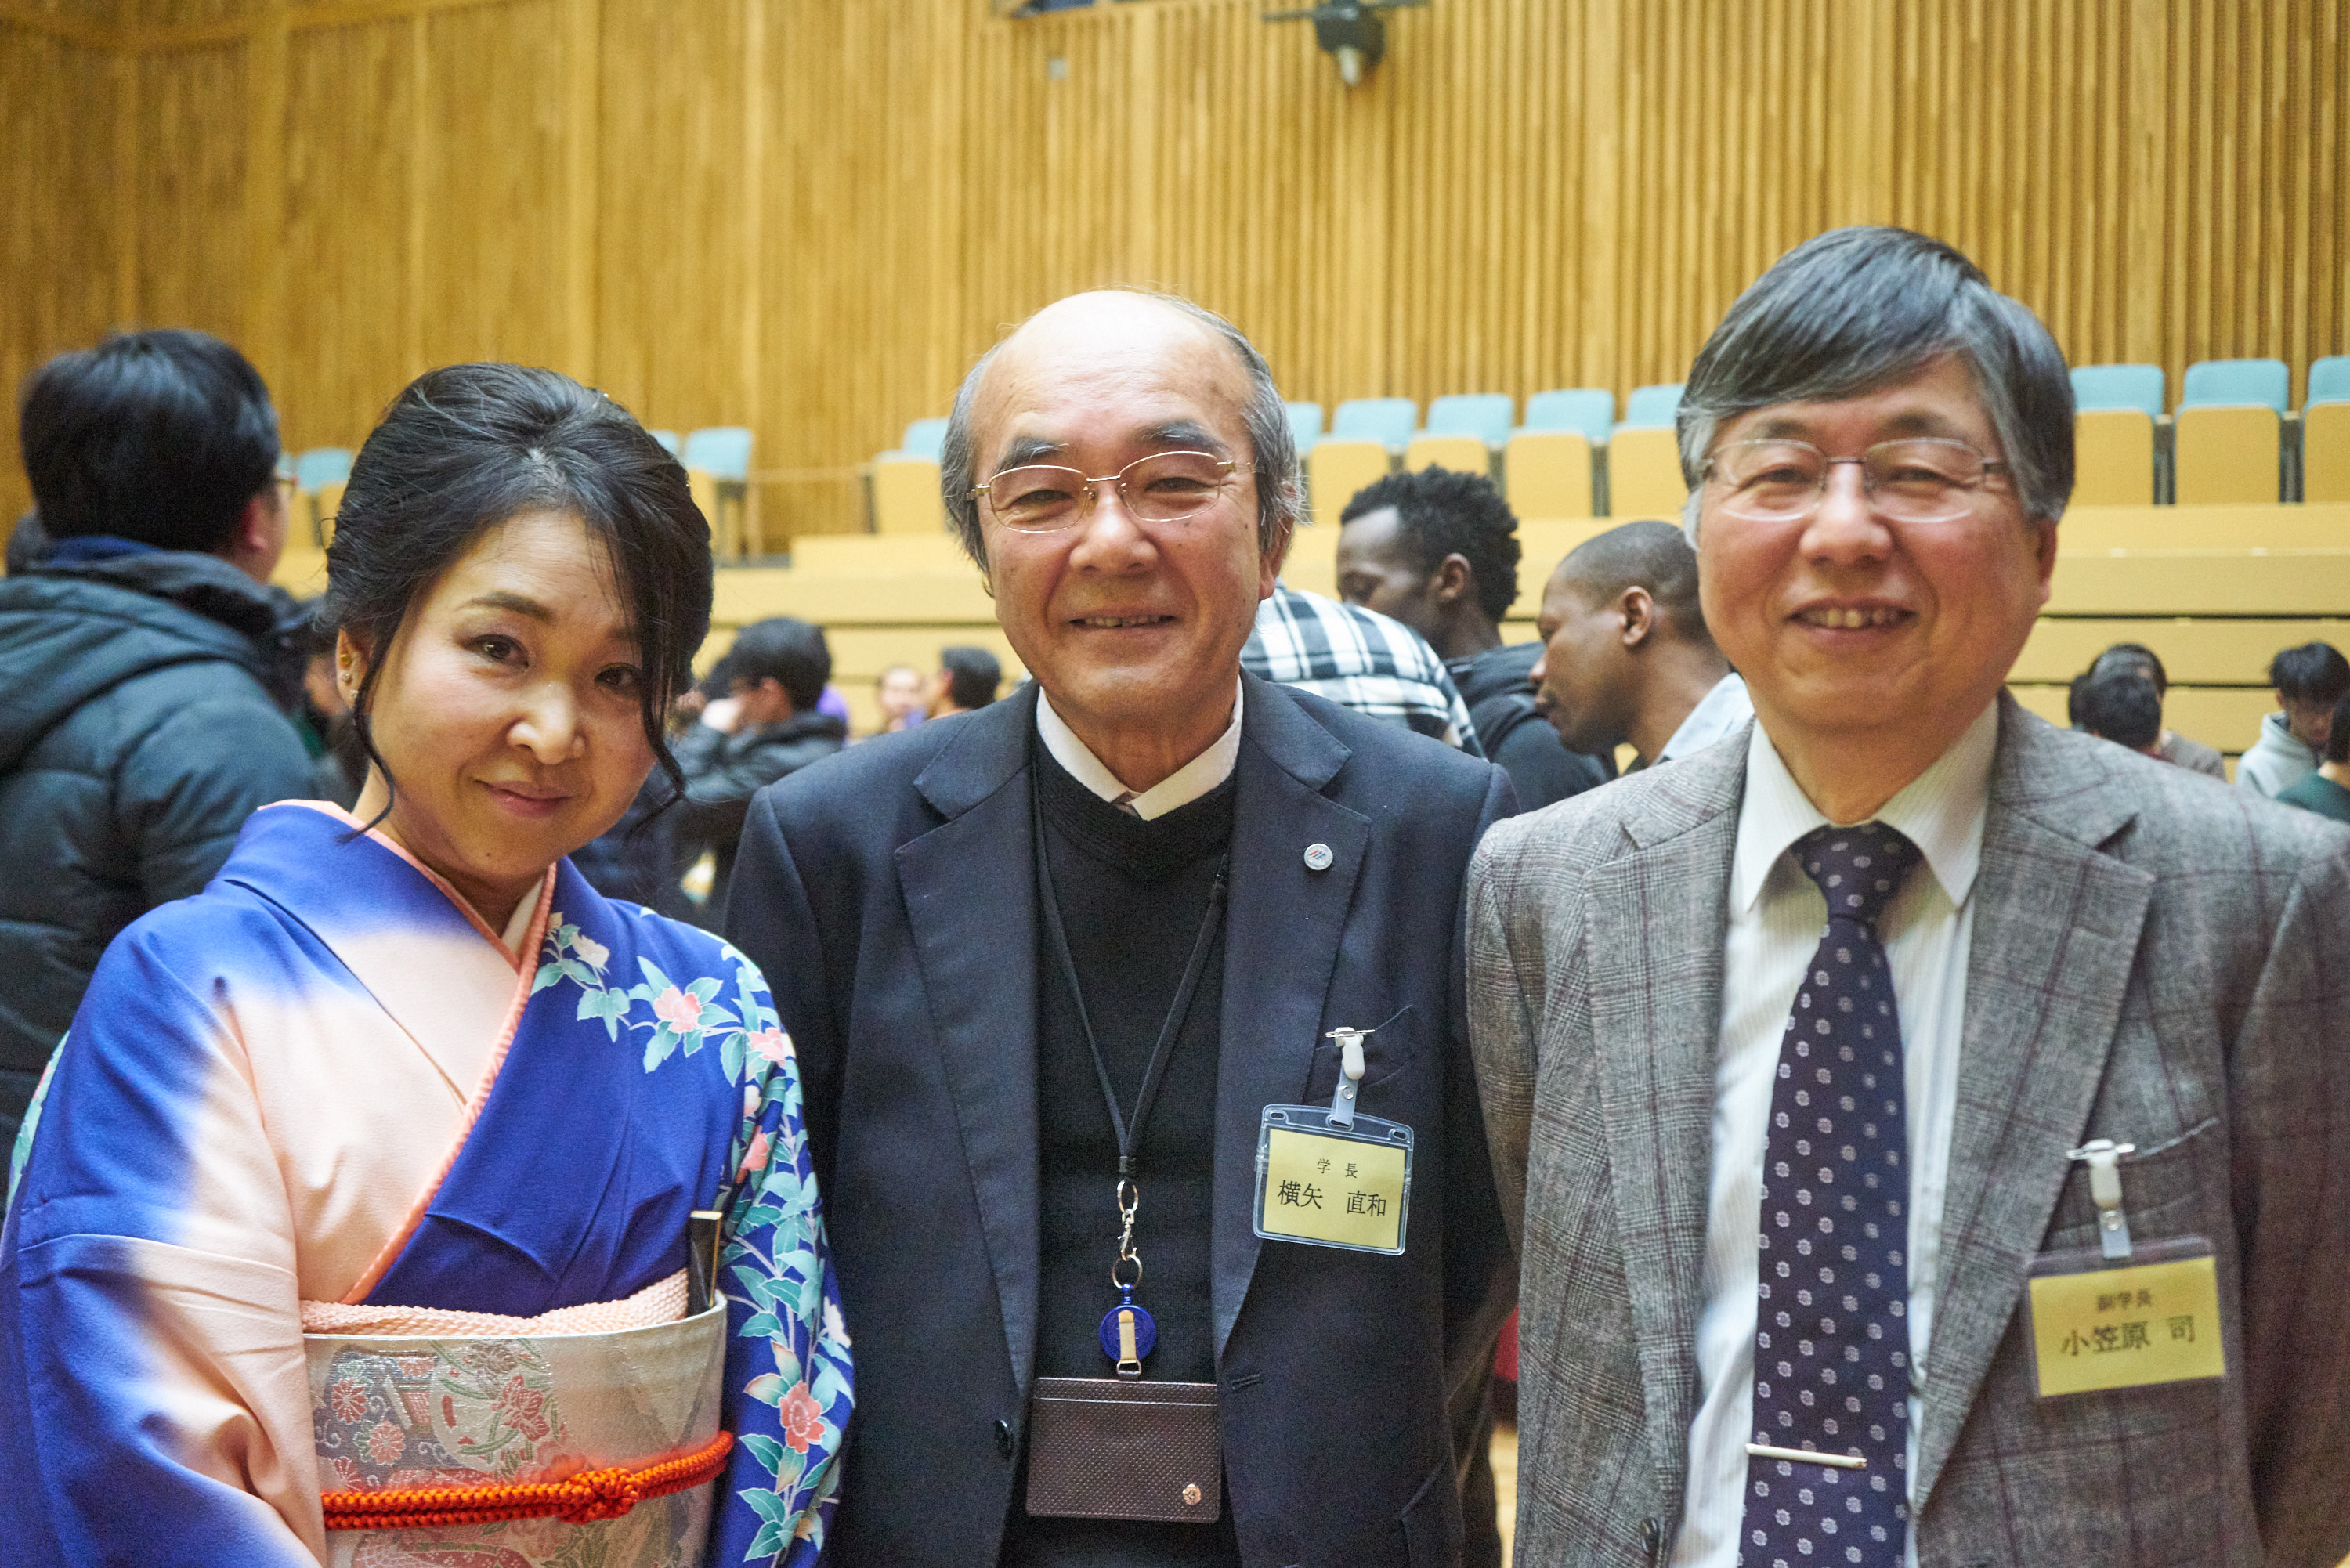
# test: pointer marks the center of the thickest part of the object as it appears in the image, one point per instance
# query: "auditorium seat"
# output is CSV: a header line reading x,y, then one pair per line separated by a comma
x,y
2216,382
2114,458
2228,432
1464,431
723,452
1460,453
1485,415
1649,406
321,466
924,438
314,471
703,488
1304,426
1644,466
1548,461
2326,432
2226,452
326,505
2329,380
1588,410
1340,466
906,495
2140,387
1547,474
1388,421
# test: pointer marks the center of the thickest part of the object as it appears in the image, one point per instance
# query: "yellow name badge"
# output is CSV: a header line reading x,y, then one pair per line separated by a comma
x,y
2099,1328
1331,1186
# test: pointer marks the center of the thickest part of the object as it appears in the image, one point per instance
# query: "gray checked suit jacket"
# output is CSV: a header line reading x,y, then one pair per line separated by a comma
x,y
2156,958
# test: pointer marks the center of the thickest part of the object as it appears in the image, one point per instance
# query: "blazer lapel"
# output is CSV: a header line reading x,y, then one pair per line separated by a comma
x,y
1281,948
2055,931
1653,940
970,901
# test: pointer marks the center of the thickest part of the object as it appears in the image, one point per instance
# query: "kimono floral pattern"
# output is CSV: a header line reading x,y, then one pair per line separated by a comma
x,y
471,1413
788,1361
460,1414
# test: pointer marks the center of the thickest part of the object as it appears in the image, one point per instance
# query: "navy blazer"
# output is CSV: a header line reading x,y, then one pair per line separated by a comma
x,y
890,896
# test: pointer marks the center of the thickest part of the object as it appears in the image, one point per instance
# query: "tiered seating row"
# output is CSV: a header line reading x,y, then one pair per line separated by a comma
x,y
717,459
2215,590
2231,440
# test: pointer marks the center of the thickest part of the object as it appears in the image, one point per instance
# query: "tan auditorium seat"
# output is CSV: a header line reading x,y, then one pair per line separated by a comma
x,y
1460,453
1335,468
2113,458
325,503
906,496
704,487
2325,453
1644,473
1549,473
2224,453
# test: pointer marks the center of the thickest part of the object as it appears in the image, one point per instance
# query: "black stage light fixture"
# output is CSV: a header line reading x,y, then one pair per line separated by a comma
x,y
1351,32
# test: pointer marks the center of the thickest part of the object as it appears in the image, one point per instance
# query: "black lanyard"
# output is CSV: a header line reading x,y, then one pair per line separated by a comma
x,y
1129,1133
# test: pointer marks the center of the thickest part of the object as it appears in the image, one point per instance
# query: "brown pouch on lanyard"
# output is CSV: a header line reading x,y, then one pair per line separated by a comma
x,y
1111,1448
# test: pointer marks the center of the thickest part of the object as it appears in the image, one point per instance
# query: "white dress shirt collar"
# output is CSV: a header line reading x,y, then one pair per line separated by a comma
x,y
1180,788
1717,713
1941,811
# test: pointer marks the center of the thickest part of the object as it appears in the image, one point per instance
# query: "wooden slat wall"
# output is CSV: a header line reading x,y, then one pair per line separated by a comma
x,y
57,285
810,216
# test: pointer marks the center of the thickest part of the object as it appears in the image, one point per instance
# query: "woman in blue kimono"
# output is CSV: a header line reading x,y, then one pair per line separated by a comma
x,y
355,1221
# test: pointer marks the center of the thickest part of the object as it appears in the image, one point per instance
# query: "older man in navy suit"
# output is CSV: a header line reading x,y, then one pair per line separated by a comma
x,y
1047,965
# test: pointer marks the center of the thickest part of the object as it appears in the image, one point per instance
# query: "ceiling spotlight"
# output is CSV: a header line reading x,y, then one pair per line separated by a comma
x,y
1351,32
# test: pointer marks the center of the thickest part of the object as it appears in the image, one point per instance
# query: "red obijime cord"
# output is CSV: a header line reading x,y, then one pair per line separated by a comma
x,y
581,1499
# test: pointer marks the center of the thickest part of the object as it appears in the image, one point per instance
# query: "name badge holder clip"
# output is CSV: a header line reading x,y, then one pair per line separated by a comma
x,y
1330,1176
2103,1156
2124,1315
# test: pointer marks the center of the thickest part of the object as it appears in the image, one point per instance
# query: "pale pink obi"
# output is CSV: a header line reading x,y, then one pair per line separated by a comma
x,y
587,1435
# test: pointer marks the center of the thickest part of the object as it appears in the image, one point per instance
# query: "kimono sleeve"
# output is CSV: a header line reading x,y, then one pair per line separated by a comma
x,y
153,1403
788,1380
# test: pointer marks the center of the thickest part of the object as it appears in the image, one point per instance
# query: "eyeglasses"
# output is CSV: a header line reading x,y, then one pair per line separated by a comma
x,y
1925,478
1165,487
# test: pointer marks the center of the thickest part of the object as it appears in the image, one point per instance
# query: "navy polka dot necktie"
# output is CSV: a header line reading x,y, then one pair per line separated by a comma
x,y
1832,1329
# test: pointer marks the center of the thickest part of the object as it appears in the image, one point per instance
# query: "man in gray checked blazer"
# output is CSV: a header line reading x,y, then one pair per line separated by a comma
x,y
1775,1225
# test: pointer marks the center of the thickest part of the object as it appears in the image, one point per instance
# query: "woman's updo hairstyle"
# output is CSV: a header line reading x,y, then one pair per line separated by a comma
x,y
468,447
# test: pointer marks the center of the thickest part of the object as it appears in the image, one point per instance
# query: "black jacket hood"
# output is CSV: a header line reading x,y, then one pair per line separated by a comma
x,y
70,631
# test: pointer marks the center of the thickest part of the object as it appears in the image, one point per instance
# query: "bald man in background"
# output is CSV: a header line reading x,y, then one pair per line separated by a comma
x,y
1626,658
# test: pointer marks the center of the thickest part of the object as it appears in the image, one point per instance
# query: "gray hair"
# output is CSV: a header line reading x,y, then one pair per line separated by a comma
x,y
1273,443
1856,310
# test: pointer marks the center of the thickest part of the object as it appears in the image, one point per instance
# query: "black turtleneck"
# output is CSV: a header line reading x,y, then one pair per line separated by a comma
x,y
1132,897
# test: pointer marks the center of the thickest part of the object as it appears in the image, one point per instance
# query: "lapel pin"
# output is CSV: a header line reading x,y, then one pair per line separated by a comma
x,y
1318,858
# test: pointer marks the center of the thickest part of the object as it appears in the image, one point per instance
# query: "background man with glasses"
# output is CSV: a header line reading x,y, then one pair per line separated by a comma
x,y
1795,1053
980,933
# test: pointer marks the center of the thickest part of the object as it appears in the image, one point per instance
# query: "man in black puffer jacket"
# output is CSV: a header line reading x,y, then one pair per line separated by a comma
x,y
137,658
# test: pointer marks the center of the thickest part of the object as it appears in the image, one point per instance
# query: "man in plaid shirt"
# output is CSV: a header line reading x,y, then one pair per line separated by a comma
x,y
1359,659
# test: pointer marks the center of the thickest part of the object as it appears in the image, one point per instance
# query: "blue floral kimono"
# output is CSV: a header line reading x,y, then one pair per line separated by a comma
x,y
323,1089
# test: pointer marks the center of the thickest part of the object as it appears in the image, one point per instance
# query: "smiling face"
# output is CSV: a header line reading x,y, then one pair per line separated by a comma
x,y
1133,630
508,712
1856,632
